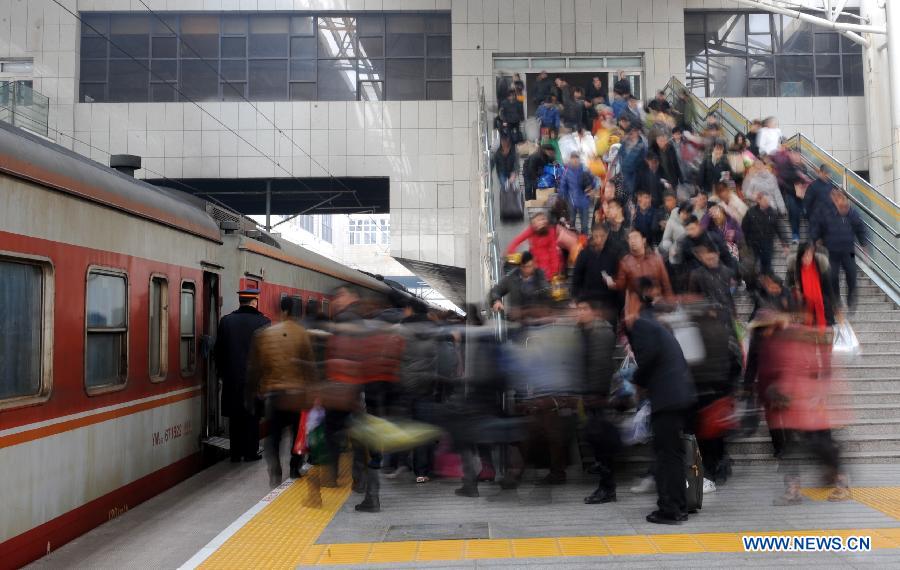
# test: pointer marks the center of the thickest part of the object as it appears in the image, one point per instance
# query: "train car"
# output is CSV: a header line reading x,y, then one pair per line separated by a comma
x,y
110,293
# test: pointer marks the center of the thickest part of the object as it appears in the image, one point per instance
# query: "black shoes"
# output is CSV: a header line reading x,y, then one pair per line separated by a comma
x,y
370,504
659,517
600,496
467,491
256,457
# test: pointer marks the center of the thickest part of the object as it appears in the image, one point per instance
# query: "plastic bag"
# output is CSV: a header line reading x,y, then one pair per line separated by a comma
x,y
845,340
382,435
300,440
637,429
447,463
622,390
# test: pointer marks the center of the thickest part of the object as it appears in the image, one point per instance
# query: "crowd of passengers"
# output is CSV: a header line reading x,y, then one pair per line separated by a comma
x,y
623,300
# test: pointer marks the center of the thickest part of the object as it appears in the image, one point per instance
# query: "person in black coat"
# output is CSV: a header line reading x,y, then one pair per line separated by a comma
x,y
534,168
651,178
818,193
505,161
840,228
760,227
663,373
232,351
600,257
541,89
511,116
712,168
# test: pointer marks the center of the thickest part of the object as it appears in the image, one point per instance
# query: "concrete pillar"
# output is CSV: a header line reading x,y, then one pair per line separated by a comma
x,y
880,110
892,16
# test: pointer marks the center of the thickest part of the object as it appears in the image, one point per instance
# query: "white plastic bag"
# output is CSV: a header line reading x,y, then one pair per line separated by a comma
x,y
637,430
845,340
687,333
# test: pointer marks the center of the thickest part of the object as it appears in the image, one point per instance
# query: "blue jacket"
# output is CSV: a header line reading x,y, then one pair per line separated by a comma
x,y
818,196
631,159
548,115
572,185
618,107
839,233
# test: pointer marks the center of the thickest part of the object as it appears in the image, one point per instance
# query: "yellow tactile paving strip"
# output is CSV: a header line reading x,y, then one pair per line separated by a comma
x,y
284,533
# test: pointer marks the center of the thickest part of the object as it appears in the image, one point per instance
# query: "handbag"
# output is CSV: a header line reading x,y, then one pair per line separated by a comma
x,y
717,418
845,340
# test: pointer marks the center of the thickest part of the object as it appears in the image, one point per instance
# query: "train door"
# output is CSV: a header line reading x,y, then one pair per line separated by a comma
x,y
213,426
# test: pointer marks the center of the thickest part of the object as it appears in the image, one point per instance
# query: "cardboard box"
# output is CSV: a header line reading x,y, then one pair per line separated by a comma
x,y
543,194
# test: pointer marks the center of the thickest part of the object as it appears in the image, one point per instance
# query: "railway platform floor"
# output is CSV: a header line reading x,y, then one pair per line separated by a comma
x,y
228,517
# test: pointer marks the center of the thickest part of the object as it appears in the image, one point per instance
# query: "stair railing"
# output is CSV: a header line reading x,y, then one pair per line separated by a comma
x,y
490,261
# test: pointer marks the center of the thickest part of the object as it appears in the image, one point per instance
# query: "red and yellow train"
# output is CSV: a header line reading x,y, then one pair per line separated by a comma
x,y
110,293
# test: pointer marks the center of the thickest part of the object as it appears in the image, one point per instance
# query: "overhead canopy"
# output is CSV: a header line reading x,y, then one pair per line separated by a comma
x,y
290,196
448,280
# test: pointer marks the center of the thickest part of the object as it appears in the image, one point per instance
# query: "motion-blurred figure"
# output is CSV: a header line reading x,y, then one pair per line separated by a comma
x,y
281,367
598,343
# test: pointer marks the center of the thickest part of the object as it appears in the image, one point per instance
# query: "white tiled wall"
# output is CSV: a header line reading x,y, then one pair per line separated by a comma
x,y
425,148
837,124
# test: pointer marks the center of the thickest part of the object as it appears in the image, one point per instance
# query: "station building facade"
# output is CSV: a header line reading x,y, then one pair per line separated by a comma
x,y
387,89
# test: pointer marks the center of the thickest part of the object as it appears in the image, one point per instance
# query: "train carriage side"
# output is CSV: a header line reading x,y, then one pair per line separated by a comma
x,y
100,356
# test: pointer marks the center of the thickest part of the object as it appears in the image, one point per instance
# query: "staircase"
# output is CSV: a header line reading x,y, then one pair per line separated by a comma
x,y
872,379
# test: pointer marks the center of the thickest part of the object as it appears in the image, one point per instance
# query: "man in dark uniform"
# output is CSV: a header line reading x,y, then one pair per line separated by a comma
x,y
232,350
663,372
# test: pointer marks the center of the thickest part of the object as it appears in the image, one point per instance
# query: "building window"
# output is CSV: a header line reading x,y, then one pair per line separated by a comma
x,y
326,229
308,223
24,328
385,233
741,54
159,327
106,342
265,57
188,348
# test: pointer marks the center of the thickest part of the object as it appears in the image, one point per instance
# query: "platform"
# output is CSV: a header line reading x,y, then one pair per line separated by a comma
x,y
225,517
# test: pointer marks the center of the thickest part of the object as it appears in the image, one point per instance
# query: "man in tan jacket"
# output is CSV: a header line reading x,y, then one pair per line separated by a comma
x,y
281,367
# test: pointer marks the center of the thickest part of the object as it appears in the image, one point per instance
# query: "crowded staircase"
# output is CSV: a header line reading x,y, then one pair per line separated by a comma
x,y
869,393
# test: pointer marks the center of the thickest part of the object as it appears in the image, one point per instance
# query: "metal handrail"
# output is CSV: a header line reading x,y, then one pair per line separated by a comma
x,y
487,183
24,107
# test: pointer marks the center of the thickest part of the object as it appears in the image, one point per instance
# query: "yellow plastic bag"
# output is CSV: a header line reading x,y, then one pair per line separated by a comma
x,y
387,436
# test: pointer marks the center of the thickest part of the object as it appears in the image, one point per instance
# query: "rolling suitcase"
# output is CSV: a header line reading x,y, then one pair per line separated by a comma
x,y
512,204
693,473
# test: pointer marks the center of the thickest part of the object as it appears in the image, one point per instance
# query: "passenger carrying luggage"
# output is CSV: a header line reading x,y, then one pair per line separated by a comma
x,y
693,473
512,204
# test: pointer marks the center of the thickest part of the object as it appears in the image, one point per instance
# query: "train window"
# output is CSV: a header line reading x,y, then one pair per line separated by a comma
x,y
106,345
312,308
159,327
326,309
297,307
25,329
188,334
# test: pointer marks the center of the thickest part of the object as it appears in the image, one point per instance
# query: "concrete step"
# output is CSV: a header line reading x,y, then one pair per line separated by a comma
x,y
869,357
865,443
860,397
872,334
849,457
867,314
870,346
885,325
864,384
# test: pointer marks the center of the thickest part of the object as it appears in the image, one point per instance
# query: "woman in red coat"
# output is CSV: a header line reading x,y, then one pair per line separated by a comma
x,y
541,237
796,390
